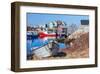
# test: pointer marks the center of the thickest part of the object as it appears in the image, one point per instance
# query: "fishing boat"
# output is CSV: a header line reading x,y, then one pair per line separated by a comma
x,y
43,51
45,34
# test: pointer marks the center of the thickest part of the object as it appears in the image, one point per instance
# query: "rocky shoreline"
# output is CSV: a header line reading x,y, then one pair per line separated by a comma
x,y
79,47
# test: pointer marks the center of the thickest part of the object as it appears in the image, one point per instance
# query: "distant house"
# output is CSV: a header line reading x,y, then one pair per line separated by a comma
x,y
84,22
84,25
52,27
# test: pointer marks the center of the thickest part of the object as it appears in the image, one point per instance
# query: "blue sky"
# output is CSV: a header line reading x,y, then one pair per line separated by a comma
x,y
41,18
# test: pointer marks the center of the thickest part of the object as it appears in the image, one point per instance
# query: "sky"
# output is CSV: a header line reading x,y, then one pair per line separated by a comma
x,y
43,18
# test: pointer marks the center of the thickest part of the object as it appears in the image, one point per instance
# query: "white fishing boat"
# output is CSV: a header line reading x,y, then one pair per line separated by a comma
x,y
43,51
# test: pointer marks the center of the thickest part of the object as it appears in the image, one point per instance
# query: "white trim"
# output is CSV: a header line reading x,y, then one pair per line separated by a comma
x,y
59,62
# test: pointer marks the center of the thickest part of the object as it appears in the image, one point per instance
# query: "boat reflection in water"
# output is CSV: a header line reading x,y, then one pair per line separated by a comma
x,y
43,45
